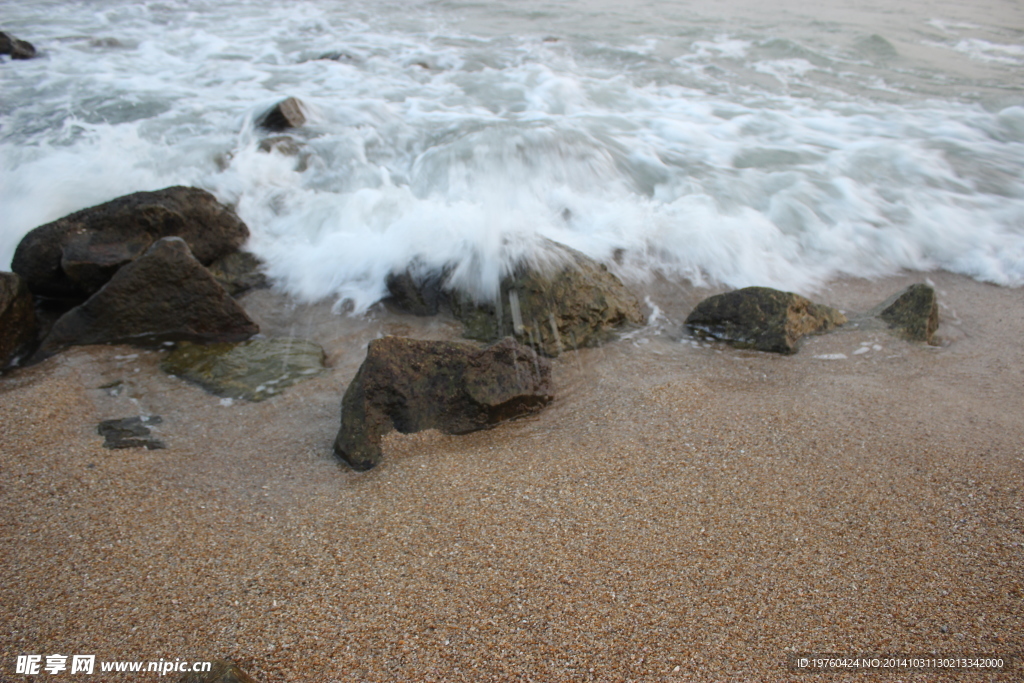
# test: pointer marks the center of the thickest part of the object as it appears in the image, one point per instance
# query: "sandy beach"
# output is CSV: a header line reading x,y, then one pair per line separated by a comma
x,y
680,512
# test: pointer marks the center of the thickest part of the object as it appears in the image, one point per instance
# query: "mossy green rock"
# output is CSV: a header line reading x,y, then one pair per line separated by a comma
x,y
761,318
253,370
574,303
913,313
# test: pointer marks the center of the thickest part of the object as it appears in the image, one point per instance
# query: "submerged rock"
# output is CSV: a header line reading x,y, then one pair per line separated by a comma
x,y
130,432
239,272
913,313
574,302
761,318
221,671
254,370
18,324
74,256
164,295
421,295
17,49
283,115
410,385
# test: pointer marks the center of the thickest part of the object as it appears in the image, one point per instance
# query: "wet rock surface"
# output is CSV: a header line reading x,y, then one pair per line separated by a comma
x,y
238,272
72,257
18,324
420,295
165,295
761,318
410,385
912,314
16,48
221,671
130,432
283,115
254,370
572,303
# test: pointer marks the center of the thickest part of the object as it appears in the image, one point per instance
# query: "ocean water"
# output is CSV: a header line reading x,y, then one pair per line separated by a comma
x,y
730,143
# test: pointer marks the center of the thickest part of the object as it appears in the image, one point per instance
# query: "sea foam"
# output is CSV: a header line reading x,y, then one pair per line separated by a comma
x,y
730,157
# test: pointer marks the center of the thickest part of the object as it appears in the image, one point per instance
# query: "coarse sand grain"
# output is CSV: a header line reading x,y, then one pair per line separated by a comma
x,y
682,511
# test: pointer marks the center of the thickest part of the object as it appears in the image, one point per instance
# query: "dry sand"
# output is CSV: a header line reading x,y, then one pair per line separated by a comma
x,y
680,512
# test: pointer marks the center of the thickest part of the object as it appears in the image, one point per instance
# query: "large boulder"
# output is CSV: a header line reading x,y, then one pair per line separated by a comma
x,y
164,295
761,318
570,303
455,387
912,314
17,49
253,370
74,256
18,324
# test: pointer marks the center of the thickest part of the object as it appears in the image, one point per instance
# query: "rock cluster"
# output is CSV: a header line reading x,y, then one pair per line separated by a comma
x,y
131,270
72,257
771,320
164,295
455,387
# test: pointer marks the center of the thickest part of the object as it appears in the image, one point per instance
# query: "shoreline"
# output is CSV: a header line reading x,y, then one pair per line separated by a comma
x,y
678,504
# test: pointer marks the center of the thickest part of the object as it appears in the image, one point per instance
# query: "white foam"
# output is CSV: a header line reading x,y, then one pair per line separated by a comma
x,y
429,146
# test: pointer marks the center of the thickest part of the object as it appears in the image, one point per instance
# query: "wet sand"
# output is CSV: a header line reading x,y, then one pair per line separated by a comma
x,y
680,512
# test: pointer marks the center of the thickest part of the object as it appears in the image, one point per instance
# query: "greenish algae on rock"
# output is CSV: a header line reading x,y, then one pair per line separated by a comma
x,y
575,304
253,370
912,314
761,318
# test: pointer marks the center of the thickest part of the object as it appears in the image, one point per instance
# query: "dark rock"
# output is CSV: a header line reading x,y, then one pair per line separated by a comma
x,y
254,370
76,255
18,324
130,432
576,304
761,318
17,49
420,295
913,313
410,385
164,295
283,115
221,671
342,57
239,272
